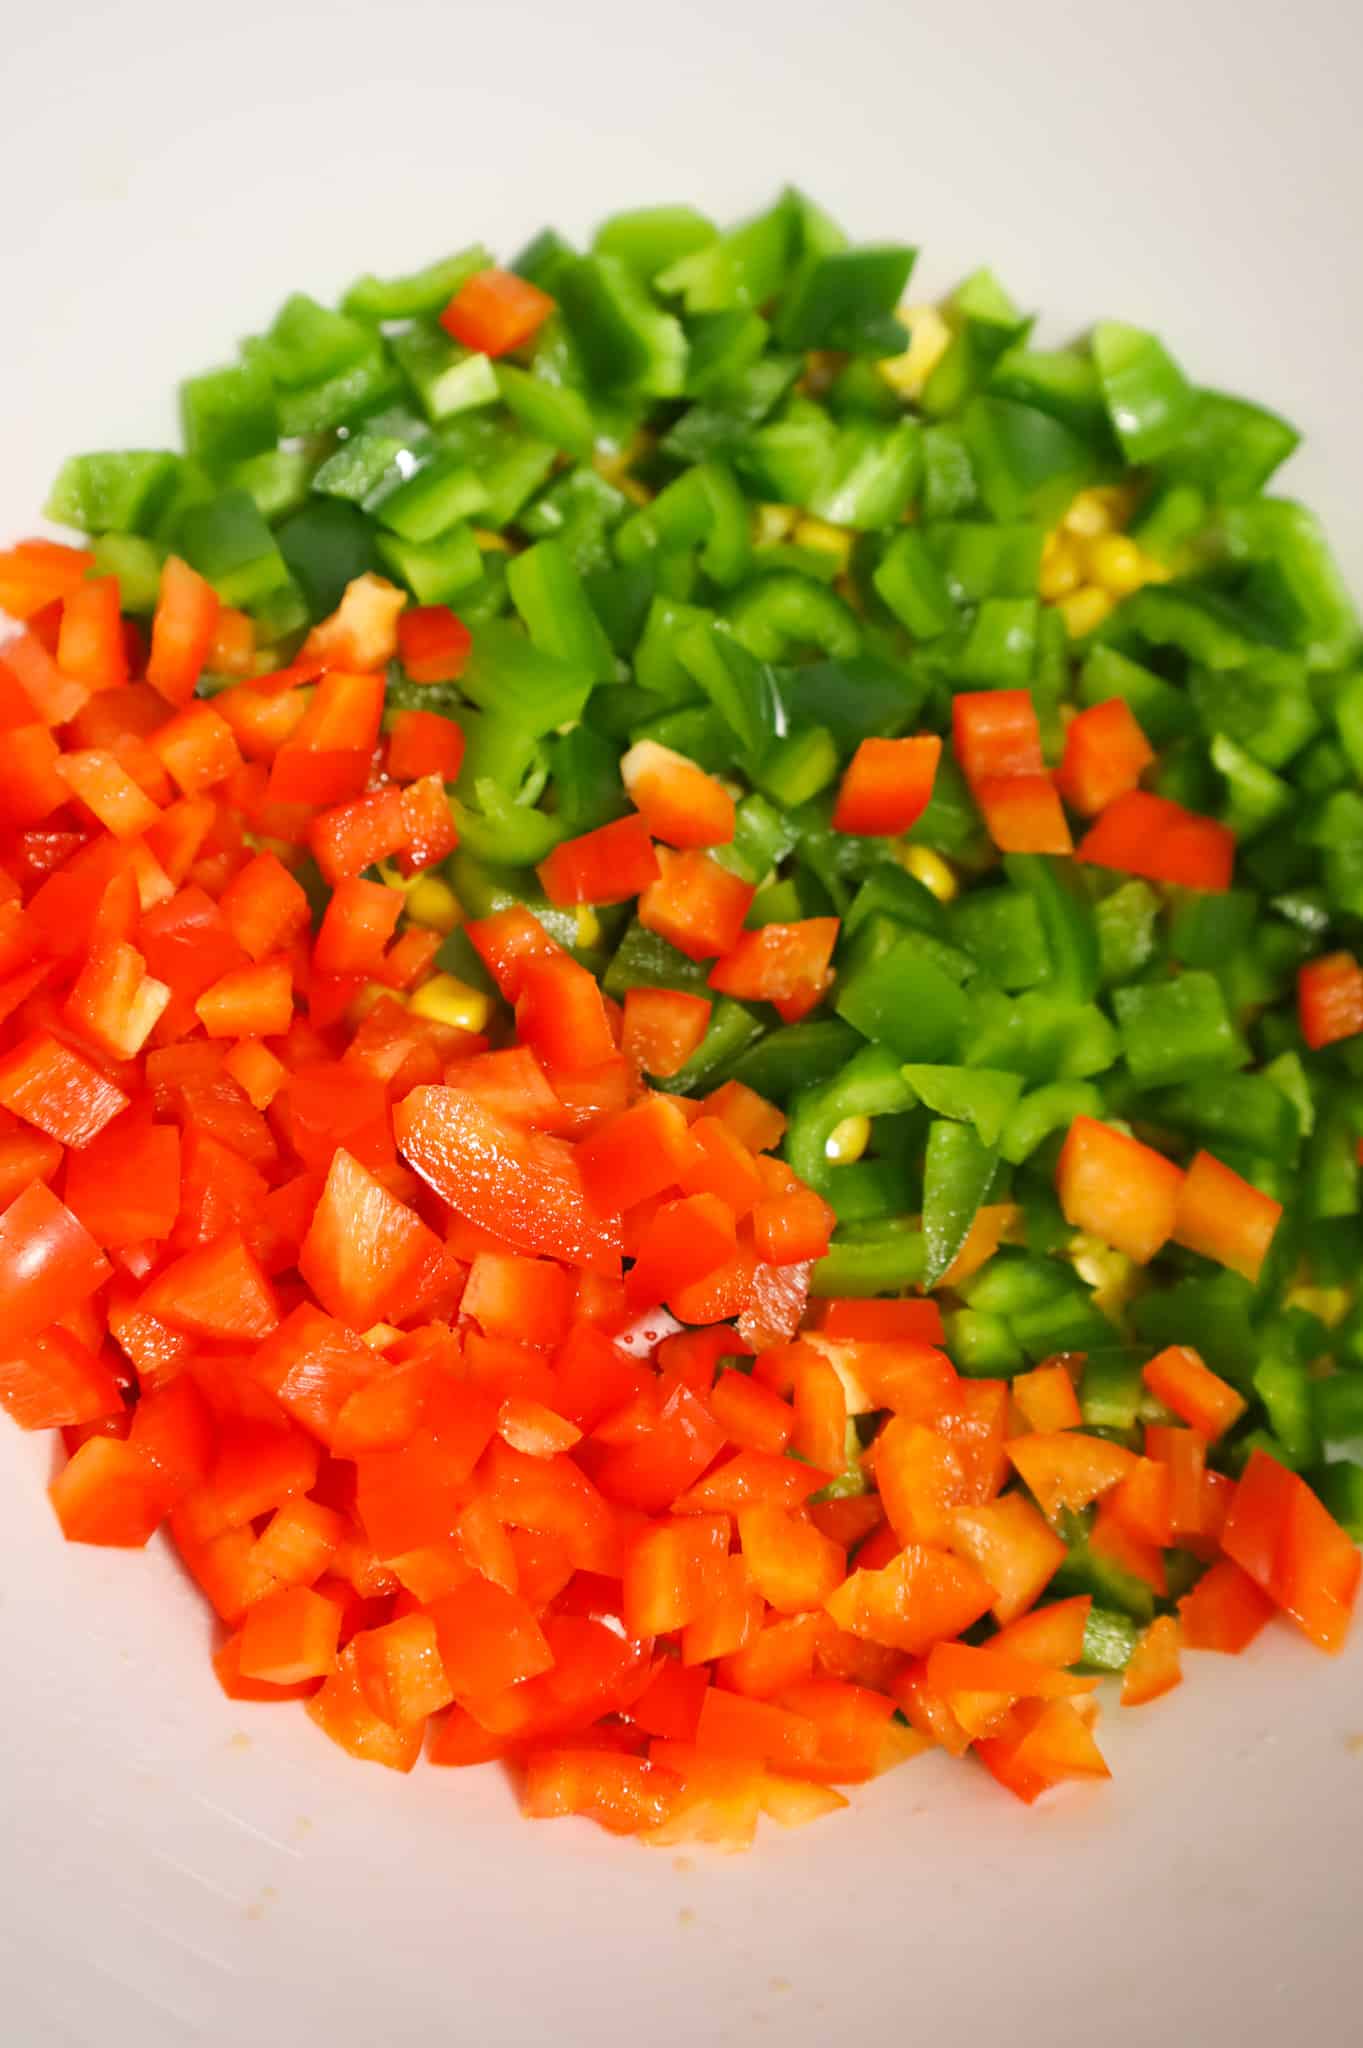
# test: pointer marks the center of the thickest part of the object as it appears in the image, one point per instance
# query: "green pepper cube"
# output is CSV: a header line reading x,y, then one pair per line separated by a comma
x,y
446,378
1176,1030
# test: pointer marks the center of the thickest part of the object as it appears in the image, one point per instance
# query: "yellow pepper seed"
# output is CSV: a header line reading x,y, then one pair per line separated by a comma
x,y
832,540
486,539
848,1140
1060,569
588,926
773,523
1084,609
1090,514
929,339
447,1000
433,903
1115,562
931,870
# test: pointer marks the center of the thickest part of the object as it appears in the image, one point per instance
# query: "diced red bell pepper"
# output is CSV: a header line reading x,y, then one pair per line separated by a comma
x,y
1125,1193
757,1123
197,748
673,1570
1152,836
1049,1635
919,1479
1009,1543
52,1087
680,803
783,964
364,1248
125,1185
30,787
401,1670
90,646
314,1366
609,865
433,645
108,1494
43,688
249,1002
662,1028
264,907
101,783
751,1415
424,743
342,1711
114,1003
523,1185
1225,1610
793,1566
1068,1469
183,630
922,1597
792,1227
1154,1668
640,1153
529,1299
625,1795
1045,1398
1023,813
1294,1550
1106,753
881,1321
682,1244
215,1291
1224,1217
561,1014
53,1380
496,311
996,733
38,573
695,904
357,924
887,785
1178,1377
1330,999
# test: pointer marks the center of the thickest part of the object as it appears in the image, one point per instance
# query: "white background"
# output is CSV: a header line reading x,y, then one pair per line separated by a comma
x,y
174,1869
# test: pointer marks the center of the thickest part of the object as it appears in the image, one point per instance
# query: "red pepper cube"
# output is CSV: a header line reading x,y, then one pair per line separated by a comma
x,y
496,311
680,803
781,964
90,645
1023,814
1330,999
695,904
433,645
183,630
356,926
1152,836
887,785
996,733
1106,753
561,1015
609,865
424,743
1224,1217
638,1154
197,748
1124,1192
662,1028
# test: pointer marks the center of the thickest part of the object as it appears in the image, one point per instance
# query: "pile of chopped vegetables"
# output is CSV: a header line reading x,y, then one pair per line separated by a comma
x,y
680,1025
